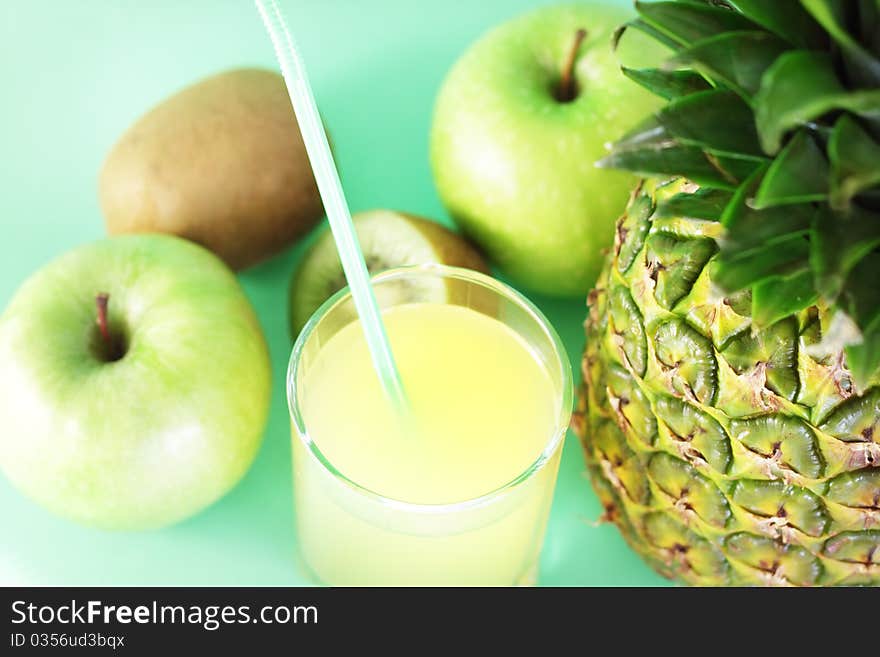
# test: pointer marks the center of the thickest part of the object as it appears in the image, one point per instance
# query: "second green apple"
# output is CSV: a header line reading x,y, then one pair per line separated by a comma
x,y
518,125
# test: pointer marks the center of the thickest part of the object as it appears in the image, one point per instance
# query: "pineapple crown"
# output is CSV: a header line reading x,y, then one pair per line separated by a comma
x,y
774,110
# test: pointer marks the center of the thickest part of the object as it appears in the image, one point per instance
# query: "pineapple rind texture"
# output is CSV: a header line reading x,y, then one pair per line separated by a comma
x,y
726,456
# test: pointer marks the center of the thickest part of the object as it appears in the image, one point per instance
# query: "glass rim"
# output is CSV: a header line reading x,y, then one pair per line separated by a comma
x,y
565,404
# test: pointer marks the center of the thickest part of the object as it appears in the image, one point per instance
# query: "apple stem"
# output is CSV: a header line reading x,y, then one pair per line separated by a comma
x,y
102,301
566,91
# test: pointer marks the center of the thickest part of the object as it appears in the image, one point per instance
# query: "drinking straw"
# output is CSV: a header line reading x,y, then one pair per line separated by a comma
x,y
330,188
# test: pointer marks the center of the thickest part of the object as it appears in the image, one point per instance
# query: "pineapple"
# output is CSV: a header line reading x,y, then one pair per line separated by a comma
x,y
730,411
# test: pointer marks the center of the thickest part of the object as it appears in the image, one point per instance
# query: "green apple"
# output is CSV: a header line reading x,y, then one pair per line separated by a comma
x,y
518,124
135,383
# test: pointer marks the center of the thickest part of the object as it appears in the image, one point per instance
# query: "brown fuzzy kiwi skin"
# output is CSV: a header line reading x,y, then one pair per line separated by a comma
x,y
452,249
456,250
448,248
220,163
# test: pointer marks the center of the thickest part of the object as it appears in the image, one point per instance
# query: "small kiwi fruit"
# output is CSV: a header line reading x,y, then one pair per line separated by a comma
x,y
388,239
221,163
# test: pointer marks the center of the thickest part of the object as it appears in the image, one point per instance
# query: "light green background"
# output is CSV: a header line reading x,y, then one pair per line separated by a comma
x,y
74,75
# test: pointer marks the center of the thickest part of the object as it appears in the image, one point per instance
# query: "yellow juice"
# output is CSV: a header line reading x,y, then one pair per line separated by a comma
x,y
483,410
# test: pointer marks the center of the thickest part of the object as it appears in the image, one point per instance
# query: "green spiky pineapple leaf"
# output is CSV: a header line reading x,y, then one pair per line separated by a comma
x,y
674,159
799,174
687,23
861,301
831,15
785,18
677,139
801,86
718,121
863,358
705,203
749,226
743,269
761,243
839,242
870,26
778,297
854,159
738,59
667,84
646,28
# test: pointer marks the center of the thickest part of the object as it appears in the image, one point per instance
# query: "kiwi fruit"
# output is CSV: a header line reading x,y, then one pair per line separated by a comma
x,y
388,239
221,163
